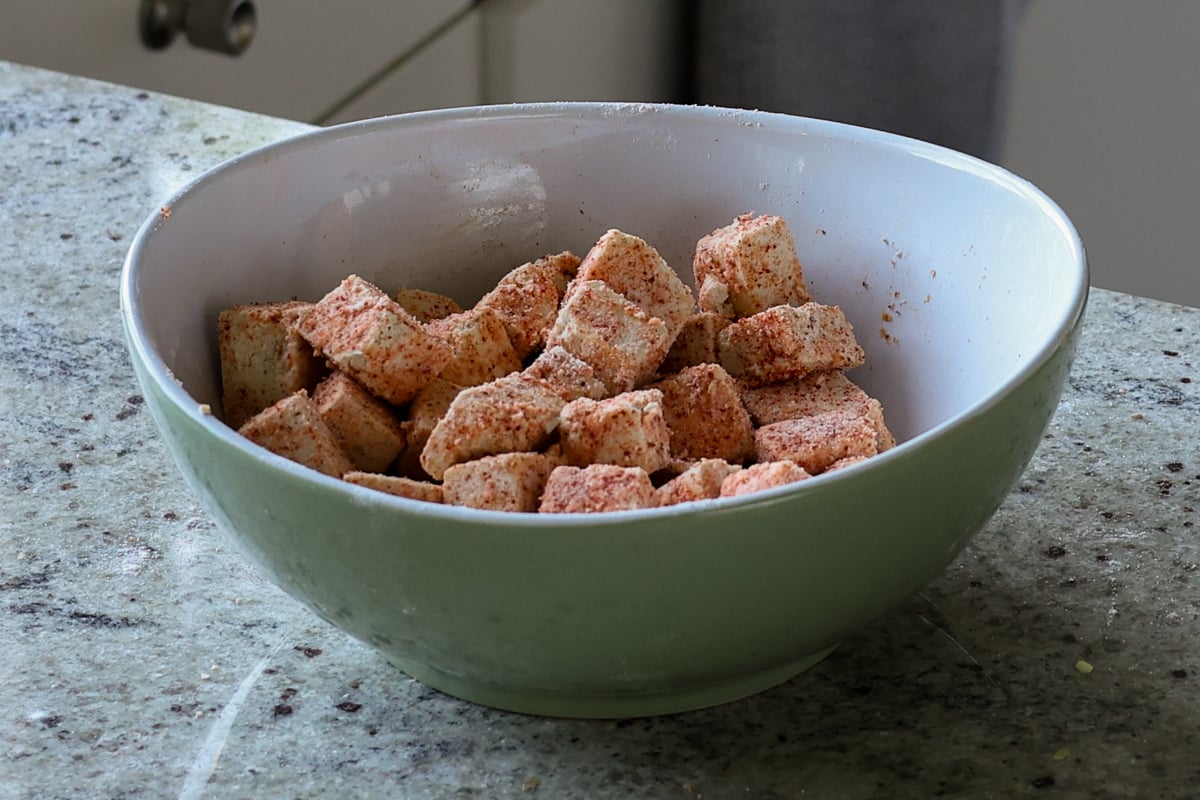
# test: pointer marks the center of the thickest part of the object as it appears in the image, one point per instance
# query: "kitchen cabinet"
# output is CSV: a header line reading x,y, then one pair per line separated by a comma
x,y
505,51
304,56
329,62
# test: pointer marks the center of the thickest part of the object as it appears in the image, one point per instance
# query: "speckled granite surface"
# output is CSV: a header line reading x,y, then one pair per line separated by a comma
x,y
141,657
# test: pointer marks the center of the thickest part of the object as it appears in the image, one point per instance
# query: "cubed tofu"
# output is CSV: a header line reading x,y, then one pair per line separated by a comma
x,y
701,481
512,414
526,300
705,414
806,396
503,482
813,394
884,440
713,296
788,342
366,427
481,349
848,461
293,428
571,377
749,266
816,442
263,358
635,270
561,267
673,469
597,488
628,430
757,477
370,337
611,334
554,452
396,485
696,342
428,406
427,306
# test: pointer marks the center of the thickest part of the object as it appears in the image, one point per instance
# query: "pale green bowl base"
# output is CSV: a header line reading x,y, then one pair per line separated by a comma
x,y
608,706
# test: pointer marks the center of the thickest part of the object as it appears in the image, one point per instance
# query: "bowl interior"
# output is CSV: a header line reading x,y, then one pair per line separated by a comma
x,y
956,274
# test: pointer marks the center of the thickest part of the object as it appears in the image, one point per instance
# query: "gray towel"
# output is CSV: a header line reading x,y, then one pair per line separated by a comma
x,y
935,70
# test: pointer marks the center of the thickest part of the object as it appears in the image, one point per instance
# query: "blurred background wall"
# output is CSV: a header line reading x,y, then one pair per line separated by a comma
x,y
1104,112
1105,117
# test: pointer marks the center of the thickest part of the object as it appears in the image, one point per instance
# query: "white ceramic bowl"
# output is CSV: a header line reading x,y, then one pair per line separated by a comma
x,y
965,284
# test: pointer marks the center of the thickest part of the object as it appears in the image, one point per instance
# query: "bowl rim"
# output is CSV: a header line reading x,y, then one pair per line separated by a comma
x,y
156,369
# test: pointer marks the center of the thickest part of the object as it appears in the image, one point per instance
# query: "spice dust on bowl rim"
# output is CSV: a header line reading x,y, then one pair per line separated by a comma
x,y
965,284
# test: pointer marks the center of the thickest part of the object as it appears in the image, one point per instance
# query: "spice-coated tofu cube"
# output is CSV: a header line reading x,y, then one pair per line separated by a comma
x,y
816,442
614,336
370,337
504,482
561,267
398,486
848,461
696,342
634,269
427,407
705,414
806,396
749,266
884,440
788,342
628,430
571,377
293,428
512,414
712,296
672,469
427,306
527,298
263,358
811,395
758,477
365,426
701,481
481,349
596,488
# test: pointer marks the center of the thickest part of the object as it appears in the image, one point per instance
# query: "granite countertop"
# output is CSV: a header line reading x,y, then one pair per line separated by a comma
x,y
143,658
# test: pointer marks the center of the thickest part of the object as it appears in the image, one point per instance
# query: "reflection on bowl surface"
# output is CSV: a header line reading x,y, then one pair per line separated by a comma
x,y
964,283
